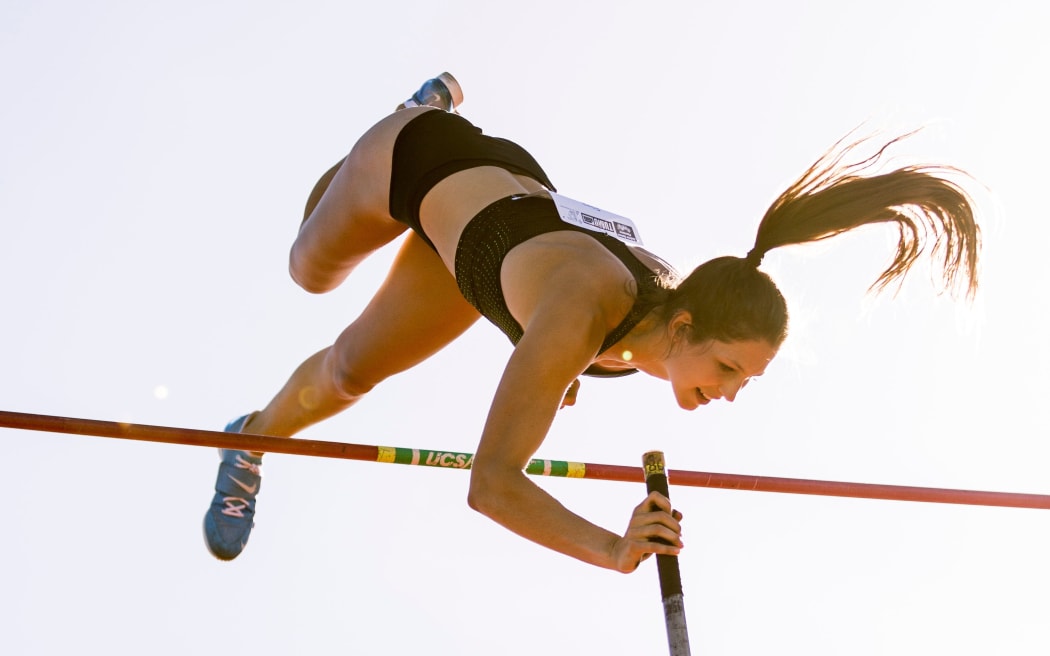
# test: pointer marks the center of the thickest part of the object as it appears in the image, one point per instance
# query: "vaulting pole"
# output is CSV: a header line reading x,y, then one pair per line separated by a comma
x,y
667,566
538,467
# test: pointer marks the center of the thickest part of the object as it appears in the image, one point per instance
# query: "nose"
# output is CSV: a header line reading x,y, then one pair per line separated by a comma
x,y
730,390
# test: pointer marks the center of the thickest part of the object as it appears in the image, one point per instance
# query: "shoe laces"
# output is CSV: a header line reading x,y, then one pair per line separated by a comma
x,y
235,507
247,464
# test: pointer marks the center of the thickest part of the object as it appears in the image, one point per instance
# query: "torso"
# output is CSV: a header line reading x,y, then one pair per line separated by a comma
x,y
551,268
453,202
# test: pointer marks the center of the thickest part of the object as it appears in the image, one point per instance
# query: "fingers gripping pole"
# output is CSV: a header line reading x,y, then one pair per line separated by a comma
x,y
667,566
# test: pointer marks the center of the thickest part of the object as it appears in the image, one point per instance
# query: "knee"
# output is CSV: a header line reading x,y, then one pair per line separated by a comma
x,y
346,379
304,274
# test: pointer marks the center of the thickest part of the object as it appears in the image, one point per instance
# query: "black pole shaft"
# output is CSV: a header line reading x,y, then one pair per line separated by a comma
x,y
667,566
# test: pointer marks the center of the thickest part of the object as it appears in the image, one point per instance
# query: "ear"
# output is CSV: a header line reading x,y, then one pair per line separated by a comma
x,y
680,326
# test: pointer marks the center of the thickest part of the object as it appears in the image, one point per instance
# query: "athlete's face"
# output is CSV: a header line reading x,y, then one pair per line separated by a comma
x,y
700,373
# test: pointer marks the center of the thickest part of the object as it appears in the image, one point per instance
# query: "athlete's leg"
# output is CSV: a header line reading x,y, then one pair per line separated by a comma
x,y
350,217
319,189
416,312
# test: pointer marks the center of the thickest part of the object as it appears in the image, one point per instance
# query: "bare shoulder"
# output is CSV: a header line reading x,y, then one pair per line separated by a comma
x,y
568,274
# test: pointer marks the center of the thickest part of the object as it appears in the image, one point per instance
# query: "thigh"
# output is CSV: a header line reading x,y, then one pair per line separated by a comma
x,y
348,212
416,312
318,191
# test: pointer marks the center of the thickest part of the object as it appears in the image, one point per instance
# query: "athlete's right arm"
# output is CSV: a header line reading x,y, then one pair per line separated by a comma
x,y
553,351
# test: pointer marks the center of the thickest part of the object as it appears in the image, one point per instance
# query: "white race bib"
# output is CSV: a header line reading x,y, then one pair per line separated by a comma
x,y
591,218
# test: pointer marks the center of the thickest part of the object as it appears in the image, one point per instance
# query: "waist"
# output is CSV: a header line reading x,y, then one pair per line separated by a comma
x,y
452,203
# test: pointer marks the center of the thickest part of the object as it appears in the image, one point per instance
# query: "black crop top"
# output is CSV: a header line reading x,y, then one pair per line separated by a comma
x,y
504,224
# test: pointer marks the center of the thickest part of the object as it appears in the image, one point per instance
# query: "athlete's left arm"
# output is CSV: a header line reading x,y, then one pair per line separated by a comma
x,y
570,394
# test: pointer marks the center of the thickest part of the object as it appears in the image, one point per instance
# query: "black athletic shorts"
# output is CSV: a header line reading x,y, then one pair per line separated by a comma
x,y
436,144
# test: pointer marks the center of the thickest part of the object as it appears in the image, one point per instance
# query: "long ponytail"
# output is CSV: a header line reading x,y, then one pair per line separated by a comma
x,y
731,300
931,212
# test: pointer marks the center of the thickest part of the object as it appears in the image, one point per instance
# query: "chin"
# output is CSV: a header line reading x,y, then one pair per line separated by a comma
x,y
687,404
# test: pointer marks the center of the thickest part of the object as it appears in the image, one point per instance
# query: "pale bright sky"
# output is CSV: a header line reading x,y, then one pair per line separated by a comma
x,y
154,161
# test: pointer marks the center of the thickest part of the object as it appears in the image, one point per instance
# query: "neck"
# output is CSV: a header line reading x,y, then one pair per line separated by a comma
x,y
644,348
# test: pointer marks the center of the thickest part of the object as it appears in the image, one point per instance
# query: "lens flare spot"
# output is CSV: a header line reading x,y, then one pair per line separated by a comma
x,y
628,356
309,398
160,392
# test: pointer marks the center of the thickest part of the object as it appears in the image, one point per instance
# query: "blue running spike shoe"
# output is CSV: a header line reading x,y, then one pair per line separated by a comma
x,y
442,92
229,520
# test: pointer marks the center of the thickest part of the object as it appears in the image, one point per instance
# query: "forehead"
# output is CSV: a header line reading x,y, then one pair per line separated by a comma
x,y
750,356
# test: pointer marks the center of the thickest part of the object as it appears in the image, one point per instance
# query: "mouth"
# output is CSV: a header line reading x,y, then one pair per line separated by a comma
x,y
701,398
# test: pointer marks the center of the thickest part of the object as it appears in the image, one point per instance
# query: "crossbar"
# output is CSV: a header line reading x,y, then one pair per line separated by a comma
x,y
536,467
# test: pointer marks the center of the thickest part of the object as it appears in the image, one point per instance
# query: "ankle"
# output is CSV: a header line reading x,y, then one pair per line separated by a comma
x,y
248,428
